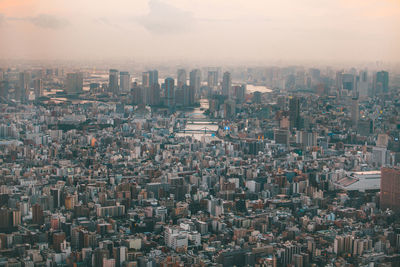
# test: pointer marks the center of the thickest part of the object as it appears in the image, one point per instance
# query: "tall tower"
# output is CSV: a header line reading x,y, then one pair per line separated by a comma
x,y
226,84
169,92
381,82
390,189
355,113
125,81
146,79
22,92
153,77
113,81
294,112
195,80
181,78
212,79
38,88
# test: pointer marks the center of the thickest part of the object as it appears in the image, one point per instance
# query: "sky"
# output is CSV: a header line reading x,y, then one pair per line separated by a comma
x,y
201,30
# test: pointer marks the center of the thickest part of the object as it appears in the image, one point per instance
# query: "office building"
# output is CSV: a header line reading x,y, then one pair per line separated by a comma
x,y
74,83
181,78
226,84
146,79
390,188
195,80
212,79
169,92
355,113
38,88
294,112
23,89
125,81
113,81
153,77
381,82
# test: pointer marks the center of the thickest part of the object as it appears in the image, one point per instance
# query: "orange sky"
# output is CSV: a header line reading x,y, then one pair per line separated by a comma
x,y
359,30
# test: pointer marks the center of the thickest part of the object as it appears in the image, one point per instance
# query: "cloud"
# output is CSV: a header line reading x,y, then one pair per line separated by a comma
x,y
48,21
164,18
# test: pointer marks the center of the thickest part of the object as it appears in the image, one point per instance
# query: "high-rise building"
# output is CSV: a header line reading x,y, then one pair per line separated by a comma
x,y
212,79
113,81
37,214
363,84
146,79
4,87
125,81
22,92
226,84
153,77
154,95
181,78
381,83
239,93
195,80
38,88
74,83
294,112
390,189
169,92
355,113
188,95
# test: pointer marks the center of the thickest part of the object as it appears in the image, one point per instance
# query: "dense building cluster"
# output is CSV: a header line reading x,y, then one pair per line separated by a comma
x,y
274,166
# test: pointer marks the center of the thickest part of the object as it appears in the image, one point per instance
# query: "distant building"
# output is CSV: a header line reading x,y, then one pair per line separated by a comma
x,y
113,81
355,113
22,90
125,81
38,88
281,136
294,112
181,78
74,83
195,80
381,82
226,84
212,79
390,189
169,92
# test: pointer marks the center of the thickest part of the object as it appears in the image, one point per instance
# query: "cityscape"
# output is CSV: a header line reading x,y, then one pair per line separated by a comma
x,y
178,161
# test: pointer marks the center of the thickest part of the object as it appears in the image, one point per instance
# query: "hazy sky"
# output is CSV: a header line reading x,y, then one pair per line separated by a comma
x,y
253,30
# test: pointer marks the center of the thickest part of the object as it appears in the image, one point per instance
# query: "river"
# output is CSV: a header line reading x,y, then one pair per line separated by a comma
x,y
198,113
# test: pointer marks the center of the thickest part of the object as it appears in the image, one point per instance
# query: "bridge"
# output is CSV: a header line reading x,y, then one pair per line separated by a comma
x,y
204,130
198,121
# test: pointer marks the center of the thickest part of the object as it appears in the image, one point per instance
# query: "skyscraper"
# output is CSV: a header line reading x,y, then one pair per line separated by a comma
x,y
153,77
239,93
113,81
226,84
38,88
22,92
146,79
154,95
390,189
363,84
125,81
169,92
212,79
74,83
355,113
381,82
294,112
181,78
195,80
